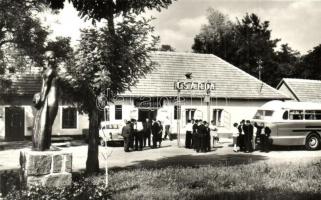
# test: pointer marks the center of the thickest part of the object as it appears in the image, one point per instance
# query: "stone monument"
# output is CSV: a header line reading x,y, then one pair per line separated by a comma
x,y
43,165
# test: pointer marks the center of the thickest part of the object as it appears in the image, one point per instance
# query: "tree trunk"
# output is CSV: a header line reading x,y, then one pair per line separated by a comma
x,y
110,23
92,164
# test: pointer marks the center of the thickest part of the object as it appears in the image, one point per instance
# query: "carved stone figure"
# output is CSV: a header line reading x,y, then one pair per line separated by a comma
x,y
46,103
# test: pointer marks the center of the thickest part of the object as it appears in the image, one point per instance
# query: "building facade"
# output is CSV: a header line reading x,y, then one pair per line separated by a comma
x,y
17,111
304,90
181,87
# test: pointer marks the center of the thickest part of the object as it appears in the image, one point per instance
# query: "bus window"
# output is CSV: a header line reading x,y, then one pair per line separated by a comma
x,y
309,115
296,114
259,114
262,114
286,115
318,114
268,113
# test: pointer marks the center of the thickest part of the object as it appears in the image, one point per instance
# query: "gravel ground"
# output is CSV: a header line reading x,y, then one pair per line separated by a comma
x,y
168,155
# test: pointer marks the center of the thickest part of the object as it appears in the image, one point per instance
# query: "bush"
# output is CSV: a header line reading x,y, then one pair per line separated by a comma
x,y
82,189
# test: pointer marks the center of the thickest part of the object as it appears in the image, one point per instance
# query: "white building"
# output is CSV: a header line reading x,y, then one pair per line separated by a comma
x,y
235,95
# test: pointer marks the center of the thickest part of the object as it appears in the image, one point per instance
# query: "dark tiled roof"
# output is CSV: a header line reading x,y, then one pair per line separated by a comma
x,y
303,89
23,84
230,81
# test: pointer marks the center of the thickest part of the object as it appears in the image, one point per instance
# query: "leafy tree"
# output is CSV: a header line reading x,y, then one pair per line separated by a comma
x,y
217,37
23,38
112,57
254,44
21,33
247,44
310,65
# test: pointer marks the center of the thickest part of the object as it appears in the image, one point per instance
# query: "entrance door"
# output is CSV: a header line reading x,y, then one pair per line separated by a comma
x,y
147,113
14,123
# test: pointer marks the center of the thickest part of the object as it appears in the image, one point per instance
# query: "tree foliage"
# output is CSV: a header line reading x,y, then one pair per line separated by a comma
x,y
21,33
107,61
247,44
124,59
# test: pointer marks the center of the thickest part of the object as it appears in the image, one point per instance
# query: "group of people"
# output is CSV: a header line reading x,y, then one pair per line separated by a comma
x,y
200,135
243,137
138,135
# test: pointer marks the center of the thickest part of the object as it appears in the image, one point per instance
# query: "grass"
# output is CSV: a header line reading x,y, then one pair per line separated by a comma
x,y
253,181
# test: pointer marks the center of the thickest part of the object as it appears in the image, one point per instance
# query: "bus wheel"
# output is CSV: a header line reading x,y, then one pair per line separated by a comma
x,y
312,142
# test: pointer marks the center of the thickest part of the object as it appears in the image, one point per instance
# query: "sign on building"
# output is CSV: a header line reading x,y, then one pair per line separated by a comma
x,y
194,85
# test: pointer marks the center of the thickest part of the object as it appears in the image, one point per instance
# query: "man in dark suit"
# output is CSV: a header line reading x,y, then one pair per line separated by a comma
x,y
248,136
160,133
127,134
155,133
241,140
195,136
202,132
265,144
147,132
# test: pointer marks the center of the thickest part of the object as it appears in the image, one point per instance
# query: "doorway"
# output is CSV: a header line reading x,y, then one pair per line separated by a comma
x,y
14,123
147,113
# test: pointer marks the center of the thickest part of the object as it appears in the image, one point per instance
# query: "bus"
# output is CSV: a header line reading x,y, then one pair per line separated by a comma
x,y
291,123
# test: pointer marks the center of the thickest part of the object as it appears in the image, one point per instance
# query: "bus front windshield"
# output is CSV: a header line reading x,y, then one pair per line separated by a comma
x,y
263,114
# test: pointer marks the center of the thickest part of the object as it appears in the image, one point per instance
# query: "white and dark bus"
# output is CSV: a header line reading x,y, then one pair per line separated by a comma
x,y
291,123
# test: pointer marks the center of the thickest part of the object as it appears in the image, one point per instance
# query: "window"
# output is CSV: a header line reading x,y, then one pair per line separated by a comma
x,y
118,112
286,115
262,114
312,115
296,114
69,118
177,112
309,115
217,117
189,114
318,114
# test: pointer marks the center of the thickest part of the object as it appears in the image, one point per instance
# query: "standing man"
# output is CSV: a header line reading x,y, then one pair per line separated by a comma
x,y
140,135
248,136
155,130
167,124
207,137
189,132
265,144
202,137
160,133
127,134
241,136
194,136
147,132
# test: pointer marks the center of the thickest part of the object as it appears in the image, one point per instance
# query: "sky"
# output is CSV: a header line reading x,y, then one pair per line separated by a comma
x,y
297,23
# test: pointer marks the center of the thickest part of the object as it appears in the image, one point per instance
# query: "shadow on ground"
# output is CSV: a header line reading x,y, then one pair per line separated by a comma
x,y
267,194
195,161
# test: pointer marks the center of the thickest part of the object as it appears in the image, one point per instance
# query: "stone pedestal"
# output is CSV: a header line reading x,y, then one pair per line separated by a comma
x,y
46,168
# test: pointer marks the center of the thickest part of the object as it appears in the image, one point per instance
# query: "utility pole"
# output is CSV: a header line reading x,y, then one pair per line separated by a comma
x,y
259,62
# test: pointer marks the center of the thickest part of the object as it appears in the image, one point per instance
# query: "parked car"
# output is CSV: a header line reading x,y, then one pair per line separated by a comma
x,y
110,132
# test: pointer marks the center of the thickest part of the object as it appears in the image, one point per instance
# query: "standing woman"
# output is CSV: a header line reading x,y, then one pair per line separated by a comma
x,y
213,132
235,136
47,105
